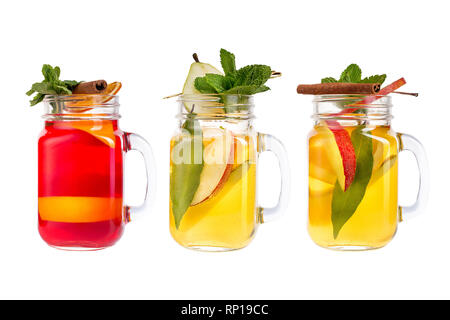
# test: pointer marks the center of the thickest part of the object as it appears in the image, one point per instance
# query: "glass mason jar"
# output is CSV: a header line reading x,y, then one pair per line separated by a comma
x,y
213,173
81,158
353,177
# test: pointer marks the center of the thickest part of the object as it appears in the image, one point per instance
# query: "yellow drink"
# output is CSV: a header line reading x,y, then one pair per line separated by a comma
x,y
374,222
226,219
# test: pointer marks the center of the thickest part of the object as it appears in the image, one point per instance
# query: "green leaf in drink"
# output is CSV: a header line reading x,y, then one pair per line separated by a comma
x,y
185,174
345,203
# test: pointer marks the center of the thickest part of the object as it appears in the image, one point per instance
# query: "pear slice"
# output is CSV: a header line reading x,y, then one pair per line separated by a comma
x,y
198,69
218,163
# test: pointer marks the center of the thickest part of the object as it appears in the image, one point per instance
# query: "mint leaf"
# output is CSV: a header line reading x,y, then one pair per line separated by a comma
x,y
262,88
203,86
247,90
253,75
345,203
218,82
37,99
51,85
61,88
246,81
228,62
71,84
351,74
50,74
329,80
43,87
374,79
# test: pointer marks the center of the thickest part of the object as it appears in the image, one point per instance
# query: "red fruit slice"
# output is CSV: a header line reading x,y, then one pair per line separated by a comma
x,y
343,139
344,143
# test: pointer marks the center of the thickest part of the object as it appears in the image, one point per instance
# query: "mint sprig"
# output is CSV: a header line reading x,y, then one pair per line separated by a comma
x,y
248,80
51,85
353,74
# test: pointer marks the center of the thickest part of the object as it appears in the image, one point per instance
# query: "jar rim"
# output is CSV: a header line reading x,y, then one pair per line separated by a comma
x,y
84,100
213,95
352,107
214,101
216,106
82,106
375,100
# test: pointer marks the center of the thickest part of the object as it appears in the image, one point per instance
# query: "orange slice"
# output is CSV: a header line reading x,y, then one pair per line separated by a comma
x,y
112,89
102,130
91,99
79,209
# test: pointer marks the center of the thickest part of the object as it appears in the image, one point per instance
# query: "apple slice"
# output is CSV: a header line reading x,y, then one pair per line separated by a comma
x,y
218,158
198,69
343,139
346,150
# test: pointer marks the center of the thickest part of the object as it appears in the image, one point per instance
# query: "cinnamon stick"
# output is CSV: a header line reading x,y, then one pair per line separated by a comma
x,y
339,88
91,87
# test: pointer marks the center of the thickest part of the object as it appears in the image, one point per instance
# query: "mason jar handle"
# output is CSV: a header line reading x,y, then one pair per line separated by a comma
x,y
410,143
137,143
268,142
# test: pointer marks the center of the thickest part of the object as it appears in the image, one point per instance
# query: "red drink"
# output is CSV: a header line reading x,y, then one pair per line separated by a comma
x,y
81,183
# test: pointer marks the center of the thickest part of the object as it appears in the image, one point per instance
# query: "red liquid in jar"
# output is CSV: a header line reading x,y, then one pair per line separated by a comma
x,y
81,184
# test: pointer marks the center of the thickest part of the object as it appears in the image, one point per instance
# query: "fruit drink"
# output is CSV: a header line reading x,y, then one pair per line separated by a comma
x,y
374,222
222,212
353,162
213,197
80,160
80,183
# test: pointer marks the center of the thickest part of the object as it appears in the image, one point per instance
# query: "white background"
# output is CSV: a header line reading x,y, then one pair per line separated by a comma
x,y
147,45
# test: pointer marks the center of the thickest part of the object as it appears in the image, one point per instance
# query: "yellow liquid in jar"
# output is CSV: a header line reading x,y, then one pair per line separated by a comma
x,y
227,220
374,222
